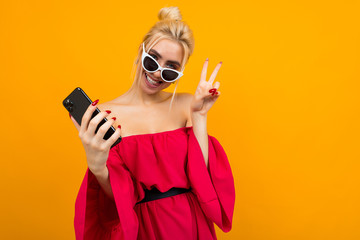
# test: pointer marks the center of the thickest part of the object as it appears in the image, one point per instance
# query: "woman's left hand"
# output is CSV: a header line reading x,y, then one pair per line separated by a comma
x,y
206,93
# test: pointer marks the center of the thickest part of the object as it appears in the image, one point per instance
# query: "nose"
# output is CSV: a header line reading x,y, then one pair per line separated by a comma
x,y
157,74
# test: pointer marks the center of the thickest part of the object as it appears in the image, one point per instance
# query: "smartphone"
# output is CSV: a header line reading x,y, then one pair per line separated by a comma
x,y
77,103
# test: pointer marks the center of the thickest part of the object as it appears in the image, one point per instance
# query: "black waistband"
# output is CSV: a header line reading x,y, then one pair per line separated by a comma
x,y
155,194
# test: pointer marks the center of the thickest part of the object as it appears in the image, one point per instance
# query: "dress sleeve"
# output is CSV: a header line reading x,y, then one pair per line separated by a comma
x,y
99,217
214,187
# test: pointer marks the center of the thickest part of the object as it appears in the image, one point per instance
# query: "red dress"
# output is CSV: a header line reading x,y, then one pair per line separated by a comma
x,y
163,160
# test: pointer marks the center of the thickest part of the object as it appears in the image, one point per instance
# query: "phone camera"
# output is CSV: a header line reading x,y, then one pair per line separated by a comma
x,y
68,103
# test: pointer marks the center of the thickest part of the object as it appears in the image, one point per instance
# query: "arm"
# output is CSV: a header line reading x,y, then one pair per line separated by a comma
x,y
104,181
200,131
96,156
199,124
204,98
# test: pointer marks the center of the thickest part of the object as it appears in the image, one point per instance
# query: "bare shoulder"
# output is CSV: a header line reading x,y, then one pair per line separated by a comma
x,y
185,97
113,104
185,100
105,106
110,105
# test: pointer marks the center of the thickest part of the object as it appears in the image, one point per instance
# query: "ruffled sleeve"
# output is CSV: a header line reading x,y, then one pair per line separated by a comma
x,y
99,217
214,187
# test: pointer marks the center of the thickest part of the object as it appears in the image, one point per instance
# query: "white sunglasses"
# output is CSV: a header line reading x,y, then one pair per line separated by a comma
x,y
151,65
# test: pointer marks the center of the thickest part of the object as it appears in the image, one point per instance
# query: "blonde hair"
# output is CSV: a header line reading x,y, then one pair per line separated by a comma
x,y
170,26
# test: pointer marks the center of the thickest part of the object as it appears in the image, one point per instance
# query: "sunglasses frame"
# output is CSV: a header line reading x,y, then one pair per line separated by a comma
x,y
145,54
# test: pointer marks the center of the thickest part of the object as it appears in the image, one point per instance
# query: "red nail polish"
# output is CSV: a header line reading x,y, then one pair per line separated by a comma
x,y
113,118
119,126
95,102
217,93
108,111
212,91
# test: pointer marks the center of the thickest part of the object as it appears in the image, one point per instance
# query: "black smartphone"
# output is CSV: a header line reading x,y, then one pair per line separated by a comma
x,y
77,103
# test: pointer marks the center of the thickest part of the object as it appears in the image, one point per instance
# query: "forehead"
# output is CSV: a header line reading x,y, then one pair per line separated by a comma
x,y
169,50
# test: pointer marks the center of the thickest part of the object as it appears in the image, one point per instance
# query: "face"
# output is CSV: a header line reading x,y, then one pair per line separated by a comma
x,y
168,54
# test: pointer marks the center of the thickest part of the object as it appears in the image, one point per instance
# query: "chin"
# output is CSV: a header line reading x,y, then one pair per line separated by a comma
x,y
149,90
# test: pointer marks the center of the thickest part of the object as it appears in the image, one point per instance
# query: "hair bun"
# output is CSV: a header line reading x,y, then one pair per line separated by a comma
x,y
169,13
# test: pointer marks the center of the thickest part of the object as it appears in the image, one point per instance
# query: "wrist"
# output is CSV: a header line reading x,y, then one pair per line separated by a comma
x,y
199,122
100,173
197,116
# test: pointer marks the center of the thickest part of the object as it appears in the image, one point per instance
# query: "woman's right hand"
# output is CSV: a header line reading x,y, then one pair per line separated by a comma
x,y
96,148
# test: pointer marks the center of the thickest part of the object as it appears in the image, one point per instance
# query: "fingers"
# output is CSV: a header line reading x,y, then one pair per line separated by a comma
x,y
214,73
204,70
113,137
95,122
214,90
217,85
99,136
87,117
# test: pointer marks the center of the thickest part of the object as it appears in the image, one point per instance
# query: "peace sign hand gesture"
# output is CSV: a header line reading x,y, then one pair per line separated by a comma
x,y
206,93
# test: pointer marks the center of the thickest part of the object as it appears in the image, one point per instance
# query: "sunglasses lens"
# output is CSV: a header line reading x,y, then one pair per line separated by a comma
x,y
150,64
169,75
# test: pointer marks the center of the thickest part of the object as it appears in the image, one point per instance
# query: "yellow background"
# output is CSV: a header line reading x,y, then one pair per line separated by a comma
x,y
288,116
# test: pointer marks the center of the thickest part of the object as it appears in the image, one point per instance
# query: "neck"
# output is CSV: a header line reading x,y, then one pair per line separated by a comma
x,y
138,97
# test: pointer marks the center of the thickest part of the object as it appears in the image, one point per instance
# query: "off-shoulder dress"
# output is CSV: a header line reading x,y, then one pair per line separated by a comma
x,y
162,160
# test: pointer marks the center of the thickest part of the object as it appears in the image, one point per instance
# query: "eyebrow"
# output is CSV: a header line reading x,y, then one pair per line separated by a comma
x,y
169,61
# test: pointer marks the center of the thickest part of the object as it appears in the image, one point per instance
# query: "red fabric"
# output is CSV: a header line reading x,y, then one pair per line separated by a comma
x,y
162,160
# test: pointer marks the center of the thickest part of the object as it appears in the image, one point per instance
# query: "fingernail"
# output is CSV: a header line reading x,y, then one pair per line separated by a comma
x,y
108,111
212,91
70,115
207,59
119,126
95,102
221,62
114,118
217,93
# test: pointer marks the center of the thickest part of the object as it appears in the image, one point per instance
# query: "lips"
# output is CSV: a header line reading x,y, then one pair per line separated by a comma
x,y
152,82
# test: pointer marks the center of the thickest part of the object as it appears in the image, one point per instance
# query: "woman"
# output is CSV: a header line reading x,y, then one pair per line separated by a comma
x,y
167,178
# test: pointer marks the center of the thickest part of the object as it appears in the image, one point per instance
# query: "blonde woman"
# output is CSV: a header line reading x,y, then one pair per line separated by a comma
x,y
167,178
